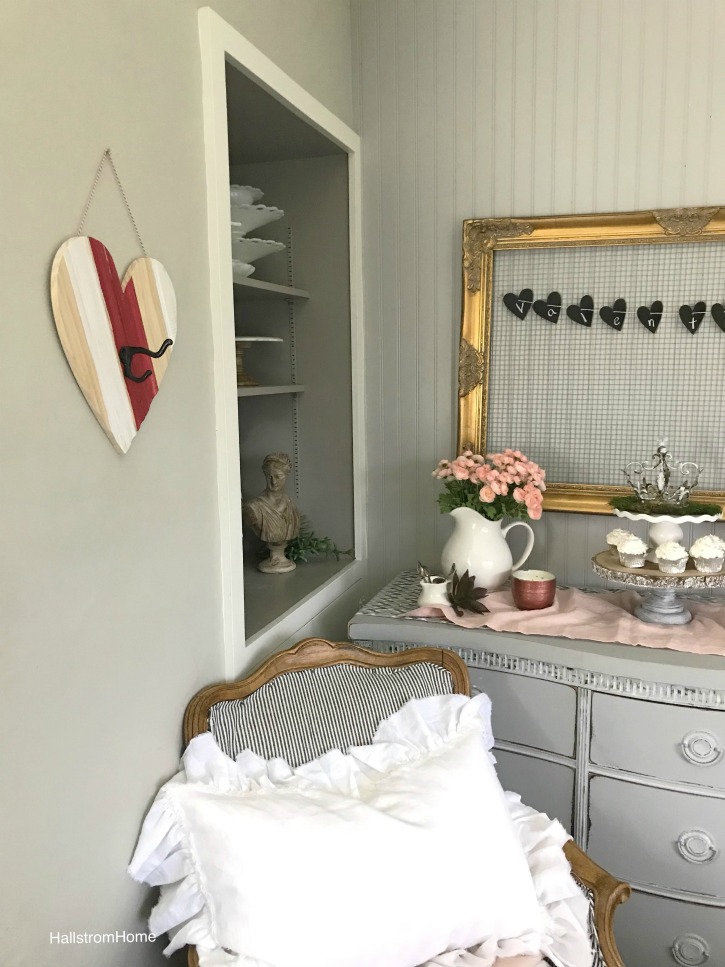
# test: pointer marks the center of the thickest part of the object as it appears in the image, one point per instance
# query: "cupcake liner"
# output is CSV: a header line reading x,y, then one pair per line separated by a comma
x,y
673,567
632,560
709,565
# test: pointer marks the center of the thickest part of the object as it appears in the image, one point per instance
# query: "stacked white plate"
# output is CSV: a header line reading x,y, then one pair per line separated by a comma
x,y
241,270
244,195
246,217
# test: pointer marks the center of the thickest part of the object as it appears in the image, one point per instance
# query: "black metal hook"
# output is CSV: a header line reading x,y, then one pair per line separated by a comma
x,y
126,354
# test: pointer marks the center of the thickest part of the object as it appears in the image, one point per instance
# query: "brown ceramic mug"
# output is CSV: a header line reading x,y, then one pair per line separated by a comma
x,y
532,590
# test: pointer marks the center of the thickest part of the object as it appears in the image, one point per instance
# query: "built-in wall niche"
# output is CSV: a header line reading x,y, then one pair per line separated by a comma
x,y
303,401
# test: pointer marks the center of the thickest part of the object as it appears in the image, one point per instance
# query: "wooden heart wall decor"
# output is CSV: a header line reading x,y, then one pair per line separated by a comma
x,y
117,334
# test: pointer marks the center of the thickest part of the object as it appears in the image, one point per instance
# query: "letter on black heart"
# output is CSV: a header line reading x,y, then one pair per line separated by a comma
x,y
550,309
519,304
692,316
582,313
614,315
650,318
718,314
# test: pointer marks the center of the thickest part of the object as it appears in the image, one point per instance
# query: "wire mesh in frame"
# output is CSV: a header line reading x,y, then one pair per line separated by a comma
x,y
585,400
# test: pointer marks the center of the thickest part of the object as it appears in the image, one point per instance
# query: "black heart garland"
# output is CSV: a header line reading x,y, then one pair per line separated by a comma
x,y
582,313
718,314
519,304
614,315
550,308
650,317
692,316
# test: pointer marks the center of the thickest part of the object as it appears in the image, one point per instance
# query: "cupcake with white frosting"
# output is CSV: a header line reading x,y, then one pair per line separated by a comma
x,y
632,552
671,557
708,554
615,538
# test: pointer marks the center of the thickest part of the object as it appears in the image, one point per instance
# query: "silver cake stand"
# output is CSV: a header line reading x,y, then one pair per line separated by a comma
x,y
661,606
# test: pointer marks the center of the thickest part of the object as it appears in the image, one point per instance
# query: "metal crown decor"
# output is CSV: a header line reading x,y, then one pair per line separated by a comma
x,y
664,481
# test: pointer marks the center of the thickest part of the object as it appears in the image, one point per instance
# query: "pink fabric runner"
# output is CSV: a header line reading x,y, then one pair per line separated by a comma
x,y
596,616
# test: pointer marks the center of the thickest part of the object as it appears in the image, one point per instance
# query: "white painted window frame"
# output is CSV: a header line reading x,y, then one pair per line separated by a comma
x,y
220,43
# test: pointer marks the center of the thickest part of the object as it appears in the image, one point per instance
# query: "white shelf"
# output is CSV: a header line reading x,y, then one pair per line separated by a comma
x,y
258,339
256,289
269,390
267,597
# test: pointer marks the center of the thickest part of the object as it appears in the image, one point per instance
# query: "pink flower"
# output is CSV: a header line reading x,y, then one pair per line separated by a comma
x,y
496,477
533,501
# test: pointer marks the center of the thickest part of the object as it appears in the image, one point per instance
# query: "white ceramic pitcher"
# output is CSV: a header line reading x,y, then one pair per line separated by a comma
x,y
478,545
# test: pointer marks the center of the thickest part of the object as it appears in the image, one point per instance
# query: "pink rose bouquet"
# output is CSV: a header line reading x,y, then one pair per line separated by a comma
x,y
498,485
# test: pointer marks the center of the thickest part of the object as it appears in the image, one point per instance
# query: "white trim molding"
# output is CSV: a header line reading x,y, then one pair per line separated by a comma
x,y
221,43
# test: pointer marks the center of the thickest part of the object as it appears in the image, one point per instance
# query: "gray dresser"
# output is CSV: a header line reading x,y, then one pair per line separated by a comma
x,y
625,745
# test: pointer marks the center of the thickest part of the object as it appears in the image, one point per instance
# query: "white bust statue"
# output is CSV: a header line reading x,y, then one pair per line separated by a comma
x,y
272,515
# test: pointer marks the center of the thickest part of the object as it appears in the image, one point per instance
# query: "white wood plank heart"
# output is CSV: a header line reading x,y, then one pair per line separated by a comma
x,y
97,315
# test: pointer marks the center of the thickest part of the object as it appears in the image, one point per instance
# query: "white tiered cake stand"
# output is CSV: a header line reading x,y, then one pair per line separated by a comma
x,y
663,527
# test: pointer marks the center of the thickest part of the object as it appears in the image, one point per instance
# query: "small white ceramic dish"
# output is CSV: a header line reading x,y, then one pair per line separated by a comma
x,y
251,249
434,593
241,270
245,218
244,194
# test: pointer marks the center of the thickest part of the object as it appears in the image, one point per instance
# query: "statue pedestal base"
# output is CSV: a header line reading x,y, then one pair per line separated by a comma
x,y
276,563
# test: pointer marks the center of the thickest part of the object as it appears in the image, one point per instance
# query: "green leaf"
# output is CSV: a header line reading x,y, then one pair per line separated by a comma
x,y
308,543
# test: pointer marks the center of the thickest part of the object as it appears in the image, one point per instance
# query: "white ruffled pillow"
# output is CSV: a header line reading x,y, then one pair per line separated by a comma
x,y
356,860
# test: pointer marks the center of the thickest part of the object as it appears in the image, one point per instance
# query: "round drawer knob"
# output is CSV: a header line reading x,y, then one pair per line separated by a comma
x,y
690,950
697,846
701,748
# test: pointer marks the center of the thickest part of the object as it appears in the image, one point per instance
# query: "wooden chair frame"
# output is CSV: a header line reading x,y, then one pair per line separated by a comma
x,y
318,653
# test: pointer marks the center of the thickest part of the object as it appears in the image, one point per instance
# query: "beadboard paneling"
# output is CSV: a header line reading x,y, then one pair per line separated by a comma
x,y
469,108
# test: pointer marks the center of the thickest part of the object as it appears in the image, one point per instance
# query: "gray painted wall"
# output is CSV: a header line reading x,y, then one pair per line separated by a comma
x,y
109,583
474,108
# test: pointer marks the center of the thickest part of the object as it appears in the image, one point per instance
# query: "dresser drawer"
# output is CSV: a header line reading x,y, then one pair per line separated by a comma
x,y
657,837
529,711
664,741
650,930
545,786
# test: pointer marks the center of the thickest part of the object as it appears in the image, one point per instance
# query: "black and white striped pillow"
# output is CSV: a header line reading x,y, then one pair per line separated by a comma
x,y
299,716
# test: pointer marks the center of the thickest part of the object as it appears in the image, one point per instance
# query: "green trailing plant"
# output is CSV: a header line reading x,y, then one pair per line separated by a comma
x,y
634,505
465,596
308,544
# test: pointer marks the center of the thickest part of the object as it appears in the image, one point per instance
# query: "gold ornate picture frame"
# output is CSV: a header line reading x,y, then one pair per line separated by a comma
x,y
484,241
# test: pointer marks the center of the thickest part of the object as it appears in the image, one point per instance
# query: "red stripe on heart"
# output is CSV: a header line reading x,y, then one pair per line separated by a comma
x,y
127,324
